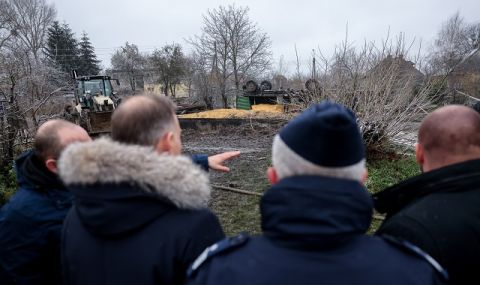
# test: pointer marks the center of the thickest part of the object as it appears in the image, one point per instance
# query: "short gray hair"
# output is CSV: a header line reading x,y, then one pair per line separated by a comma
x,y
287,163
143,119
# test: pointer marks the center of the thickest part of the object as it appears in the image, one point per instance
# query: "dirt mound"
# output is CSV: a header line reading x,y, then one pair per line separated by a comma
x,y
269,108
259,111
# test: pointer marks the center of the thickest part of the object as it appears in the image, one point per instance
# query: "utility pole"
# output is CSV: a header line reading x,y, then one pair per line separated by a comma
x,y
314,69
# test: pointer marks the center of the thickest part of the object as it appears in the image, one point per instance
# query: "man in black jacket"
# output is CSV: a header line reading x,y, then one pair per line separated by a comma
x,y
315,216
31,222
439,210
140,213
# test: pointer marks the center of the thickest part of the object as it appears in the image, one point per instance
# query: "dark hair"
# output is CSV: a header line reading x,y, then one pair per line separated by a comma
x,y
143,119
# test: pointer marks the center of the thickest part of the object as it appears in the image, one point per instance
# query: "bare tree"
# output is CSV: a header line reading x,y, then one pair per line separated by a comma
x,y
5,23
455,39
203,79
234,45
169,63
279,74
213,46
128,60
249,47
27,81
29,20
380,84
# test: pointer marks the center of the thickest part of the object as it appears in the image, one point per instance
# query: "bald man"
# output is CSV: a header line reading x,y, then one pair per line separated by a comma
x,y
439,210
30,223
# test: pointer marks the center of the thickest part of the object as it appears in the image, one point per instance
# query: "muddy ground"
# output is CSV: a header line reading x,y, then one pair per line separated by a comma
x,y
237,212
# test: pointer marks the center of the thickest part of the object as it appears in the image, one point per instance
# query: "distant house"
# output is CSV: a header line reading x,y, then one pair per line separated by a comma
x,y
153,88
404,69
399,77
181,90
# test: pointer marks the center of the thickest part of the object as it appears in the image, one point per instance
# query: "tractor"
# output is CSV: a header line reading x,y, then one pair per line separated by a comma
x,y
94,102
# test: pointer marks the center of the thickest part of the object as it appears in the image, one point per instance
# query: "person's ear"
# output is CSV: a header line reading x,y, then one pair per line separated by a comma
x,y
419,154
51,165
165,143
364,176
272,175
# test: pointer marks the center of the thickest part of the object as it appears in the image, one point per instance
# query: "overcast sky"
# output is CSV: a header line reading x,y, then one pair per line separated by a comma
x,y
308,24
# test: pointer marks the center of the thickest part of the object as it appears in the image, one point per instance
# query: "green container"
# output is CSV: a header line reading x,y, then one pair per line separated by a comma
x,y
243,103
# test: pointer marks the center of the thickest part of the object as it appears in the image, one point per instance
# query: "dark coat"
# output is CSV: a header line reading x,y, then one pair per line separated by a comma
x,y
30,225
201,160
313,234
138,218
439,211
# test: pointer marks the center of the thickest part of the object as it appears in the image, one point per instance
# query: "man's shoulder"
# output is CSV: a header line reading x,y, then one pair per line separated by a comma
x,y
426,212
194,215
23,199
413,252
27,204
405,258
221,248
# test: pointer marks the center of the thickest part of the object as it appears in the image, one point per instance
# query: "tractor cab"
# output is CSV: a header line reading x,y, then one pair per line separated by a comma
x,y
95,102
95,93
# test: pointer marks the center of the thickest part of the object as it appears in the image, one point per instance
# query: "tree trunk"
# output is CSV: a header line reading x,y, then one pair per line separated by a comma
x,y
223,93
165,88
172,89
237,82
132,82
225,101
11,113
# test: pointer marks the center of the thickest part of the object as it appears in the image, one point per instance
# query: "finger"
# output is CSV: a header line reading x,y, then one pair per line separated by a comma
x,y
230,154
221,168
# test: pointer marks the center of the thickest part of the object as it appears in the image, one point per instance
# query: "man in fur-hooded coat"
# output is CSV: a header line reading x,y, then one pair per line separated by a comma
x,y
140,213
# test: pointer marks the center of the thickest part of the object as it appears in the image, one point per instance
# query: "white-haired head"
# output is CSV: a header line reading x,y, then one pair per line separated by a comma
x,y
324,140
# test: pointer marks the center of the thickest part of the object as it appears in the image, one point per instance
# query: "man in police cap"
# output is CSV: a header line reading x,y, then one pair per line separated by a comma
x,y
315,216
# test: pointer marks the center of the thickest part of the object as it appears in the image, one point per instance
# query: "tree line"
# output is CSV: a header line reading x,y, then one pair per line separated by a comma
x,y
230,49
37,54
68,53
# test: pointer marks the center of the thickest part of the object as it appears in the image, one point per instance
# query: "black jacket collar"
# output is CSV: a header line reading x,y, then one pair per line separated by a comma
x,y
456,177
32,173
315,211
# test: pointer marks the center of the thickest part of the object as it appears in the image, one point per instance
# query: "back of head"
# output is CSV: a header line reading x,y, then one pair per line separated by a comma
x,y
54,135
323,140
143,119
450,135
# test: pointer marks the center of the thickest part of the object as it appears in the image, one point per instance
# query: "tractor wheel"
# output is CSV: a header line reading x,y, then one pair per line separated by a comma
x,y
251,86
312,85
266,85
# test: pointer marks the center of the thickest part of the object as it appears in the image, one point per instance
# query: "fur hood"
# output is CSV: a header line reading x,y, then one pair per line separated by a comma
x,y
104,161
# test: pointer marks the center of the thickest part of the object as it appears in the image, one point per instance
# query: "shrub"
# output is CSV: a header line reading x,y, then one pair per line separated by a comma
x,y
8,185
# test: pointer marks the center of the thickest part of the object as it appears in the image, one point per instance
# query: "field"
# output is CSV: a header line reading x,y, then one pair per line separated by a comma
x,y
240,213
